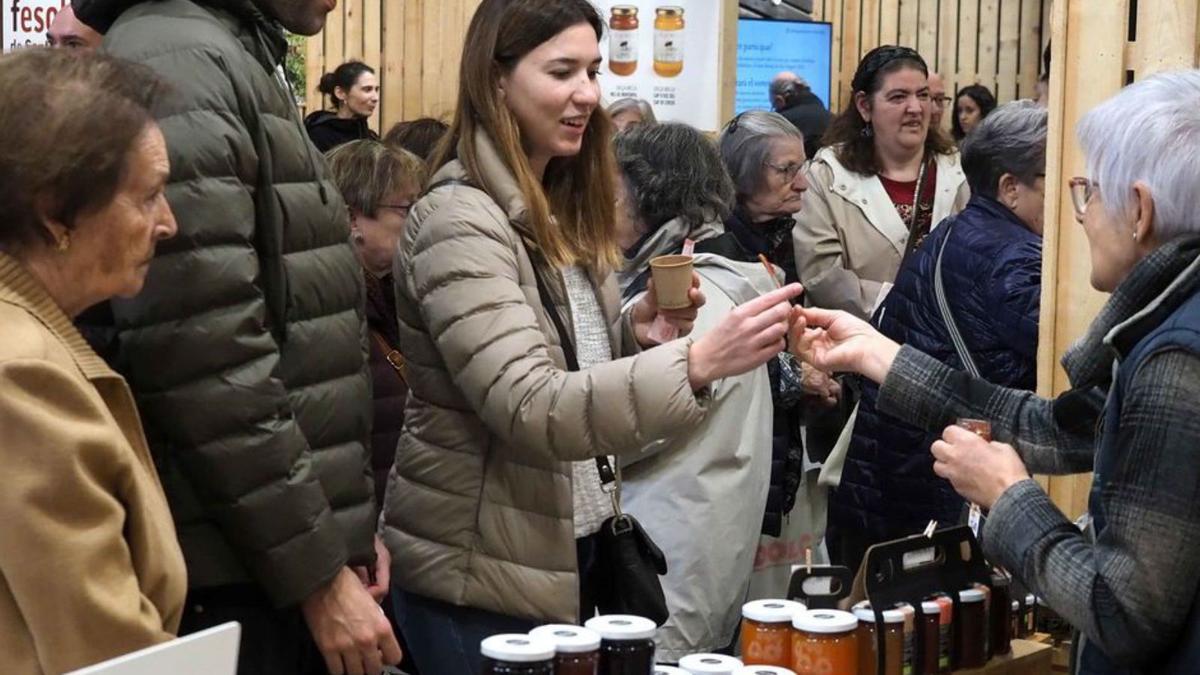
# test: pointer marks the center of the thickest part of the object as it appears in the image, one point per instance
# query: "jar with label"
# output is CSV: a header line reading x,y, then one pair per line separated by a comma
x,y
515,654
668,41
1029,616
971,649
623,40
764,670
946,633
1015,619
577,650
626,643
709,664
766,636
824,641
893,640
910,637
1000,615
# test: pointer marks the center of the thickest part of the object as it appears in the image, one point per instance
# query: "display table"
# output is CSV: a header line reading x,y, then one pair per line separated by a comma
x,y
1026,658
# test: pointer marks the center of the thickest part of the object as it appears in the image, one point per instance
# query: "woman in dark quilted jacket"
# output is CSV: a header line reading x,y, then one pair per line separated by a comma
x,y
379,185
991,257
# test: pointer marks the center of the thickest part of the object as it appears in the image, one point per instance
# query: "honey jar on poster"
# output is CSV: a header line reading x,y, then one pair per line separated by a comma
x,y
623,40
668,41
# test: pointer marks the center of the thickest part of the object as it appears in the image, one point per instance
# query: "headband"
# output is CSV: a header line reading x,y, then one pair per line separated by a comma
x,y
877,59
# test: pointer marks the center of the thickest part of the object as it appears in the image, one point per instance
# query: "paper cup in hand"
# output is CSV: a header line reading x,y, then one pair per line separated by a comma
x,y
672,280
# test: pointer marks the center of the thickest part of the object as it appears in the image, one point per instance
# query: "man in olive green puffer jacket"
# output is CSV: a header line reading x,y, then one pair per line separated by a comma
x,y
246,349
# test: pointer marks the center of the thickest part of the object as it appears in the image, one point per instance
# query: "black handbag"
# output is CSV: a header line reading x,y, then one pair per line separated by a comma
x,y
628,562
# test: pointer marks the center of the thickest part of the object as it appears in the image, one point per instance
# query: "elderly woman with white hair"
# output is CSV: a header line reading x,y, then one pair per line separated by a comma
x,y
764,154
1129,584
629,112
989,260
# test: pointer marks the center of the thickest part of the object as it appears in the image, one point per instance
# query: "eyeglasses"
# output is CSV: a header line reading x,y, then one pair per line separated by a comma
x,y
1082,190
788,171
402,209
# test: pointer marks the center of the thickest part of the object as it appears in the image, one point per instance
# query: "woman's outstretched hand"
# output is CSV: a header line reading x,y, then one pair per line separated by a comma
x,y
835,341
748,337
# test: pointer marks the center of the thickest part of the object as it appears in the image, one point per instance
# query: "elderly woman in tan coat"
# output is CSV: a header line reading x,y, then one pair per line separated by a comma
x,y
504,273
89,564
861,214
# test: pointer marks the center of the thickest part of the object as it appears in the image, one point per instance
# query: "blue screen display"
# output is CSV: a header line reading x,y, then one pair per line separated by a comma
x,y
766,47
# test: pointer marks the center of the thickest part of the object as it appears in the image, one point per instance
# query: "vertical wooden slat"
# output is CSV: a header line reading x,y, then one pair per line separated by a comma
x,y
352,17
870,27
947,56
1166,37
851,25
968,44
394,39
889,22
335,39
1028,67
372,19
314,60
989,29
909,11
841,79
927,30
1009,51
414,44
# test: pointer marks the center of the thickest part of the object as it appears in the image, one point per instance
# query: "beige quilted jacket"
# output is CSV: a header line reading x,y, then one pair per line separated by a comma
x,y
478,509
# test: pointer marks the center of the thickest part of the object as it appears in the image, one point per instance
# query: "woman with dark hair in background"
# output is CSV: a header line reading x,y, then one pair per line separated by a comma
x,y
862,212
972,104
353,94
90,566
513,335
419,136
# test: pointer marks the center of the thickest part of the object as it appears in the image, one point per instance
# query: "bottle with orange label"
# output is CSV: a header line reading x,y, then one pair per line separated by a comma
x,y
623,40
668,41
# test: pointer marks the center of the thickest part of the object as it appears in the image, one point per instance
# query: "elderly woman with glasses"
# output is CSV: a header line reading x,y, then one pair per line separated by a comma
x,y
863,215
1128,584
990,262
764,154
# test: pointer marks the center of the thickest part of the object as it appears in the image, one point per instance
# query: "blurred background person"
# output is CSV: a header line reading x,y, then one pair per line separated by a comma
x,y
627,112
68,32
991,272
353,93
973,104
523,369
1128,582
700,494
90,567
863,214
938,100
792,98
419,136
764,155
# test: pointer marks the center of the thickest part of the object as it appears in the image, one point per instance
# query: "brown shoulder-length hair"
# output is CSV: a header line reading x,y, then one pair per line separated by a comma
x,y
856,150
571,209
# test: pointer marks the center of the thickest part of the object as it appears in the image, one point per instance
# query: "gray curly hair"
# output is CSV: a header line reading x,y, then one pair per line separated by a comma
x,y
673,171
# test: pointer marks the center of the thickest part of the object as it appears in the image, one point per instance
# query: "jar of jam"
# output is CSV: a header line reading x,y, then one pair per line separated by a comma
x,y
1000,633
824,641
893,640
515,654
623,40
934,659
763,670
709,664
668,41
577,650
766,636
1029,616
1015,619
908,665
626,643
971,649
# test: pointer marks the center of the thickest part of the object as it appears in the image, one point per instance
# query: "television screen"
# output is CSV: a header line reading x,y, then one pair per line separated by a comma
x,y
768,46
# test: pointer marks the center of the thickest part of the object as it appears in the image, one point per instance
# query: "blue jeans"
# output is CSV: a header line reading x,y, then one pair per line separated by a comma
x,y
443,639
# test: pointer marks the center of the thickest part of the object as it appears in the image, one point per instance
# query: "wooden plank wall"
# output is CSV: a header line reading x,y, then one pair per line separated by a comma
x,y
1094,56
996,43
414,46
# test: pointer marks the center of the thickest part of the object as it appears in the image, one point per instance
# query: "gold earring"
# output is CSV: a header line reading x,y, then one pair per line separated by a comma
x,y
63,243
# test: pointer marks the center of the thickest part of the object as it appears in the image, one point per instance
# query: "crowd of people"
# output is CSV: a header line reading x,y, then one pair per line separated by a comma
x,y
378,398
